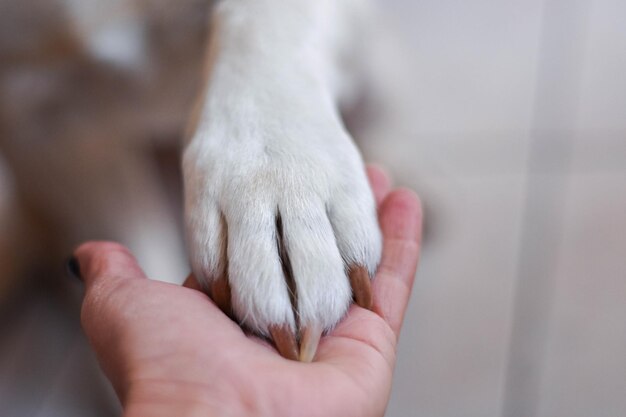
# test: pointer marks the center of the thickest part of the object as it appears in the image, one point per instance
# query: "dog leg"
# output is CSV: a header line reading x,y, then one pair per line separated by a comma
x,y
277,199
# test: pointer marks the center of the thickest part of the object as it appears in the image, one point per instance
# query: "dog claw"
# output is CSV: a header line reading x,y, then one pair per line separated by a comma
x,y
310,340
361,286
220,293
285,341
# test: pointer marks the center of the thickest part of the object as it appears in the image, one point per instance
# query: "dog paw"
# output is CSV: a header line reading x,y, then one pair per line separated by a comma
x,y
282,232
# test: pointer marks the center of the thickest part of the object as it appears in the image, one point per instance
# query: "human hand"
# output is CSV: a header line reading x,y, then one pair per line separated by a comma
x,y
168,350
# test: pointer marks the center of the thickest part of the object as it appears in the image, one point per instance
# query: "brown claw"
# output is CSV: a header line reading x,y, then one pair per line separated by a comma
x,y
285,341
361,286
220,293
310,340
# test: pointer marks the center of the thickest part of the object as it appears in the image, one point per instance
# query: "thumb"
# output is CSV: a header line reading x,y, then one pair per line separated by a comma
x,y
104,267
94,262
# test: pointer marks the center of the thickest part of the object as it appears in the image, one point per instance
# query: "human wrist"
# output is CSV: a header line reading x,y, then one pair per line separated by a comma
x,y
164,398
168,410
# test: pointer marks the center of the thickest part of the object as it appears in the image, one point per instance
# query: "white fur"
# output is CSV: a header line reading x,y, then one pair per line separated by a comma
x,y
269,142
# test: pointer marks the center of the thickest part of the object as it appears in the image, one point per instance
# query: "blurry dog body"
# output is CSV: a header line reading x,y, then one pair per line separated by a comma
x,y
94,96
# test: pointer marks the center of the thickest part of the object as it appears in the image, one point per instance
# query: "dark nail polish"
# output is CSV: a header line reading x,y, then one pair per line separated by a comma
x,y
73,268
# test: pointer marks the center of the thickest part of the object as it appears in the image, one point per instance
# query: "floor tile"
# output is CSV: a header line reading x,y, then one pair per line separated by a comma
x,y
585,360
454,344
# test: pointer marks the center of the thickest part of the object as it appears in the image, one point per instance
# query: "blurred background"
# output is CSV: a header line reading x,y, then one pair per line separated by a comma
x,y
509,120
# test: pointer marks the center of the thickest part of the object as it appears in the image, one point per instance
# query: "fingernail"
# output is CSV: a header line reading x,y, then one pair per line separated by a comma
x,y
73,268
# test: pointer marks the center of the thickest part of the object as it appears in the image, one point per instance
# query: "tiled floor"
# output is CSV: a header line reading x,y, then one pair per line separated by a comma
x,y
46,367
502,322
584,364
453,347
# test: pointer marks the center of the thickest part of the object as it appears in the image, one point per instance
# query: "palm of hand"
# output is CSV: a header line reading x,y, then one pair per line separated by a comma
x,y
160,342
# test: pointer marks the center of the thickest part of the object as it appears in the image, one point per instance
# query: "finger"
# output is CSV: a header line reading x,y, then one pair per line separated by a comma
x,y
103,265
401,223
379,181
106,260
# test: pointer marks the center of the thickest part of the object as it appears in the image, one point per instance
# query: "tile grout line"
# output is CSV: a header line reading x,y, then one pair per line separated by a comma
x,y
556,100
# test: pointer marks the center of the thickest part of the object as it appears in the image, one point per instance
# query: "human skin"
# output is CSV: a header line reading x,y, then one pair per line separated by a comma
x,y
168,350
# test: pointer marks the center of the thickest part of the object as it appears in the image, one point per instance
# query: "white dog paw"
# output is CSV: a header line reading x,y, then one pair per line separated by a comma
x,y
280,230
